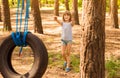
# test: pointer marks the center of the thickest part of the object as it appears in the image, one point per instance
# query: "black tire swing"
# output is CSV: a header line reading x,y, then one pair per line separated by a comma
x,y
23,39
40,58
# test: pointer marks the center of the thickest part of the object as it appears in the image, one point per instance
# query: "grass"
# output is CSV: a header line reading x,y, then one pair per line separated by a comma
x,y
112,68
55,59
75,61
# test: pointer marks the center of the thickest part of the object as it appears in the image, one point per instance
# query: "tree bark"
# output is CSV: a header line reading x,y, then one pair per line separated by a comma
x,y
0,14
56,6
92,49
6,15
109,7
37,16
67,5
114,14
75,12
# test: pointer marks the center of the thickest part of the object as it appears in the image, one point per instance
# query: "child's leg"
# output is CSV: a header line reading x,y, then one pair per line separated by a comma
x,y
63,52
69,45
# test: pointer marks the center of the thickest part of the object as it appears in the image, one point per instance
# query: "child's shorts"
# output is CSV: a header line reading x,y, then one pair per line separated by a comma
x,y
65,42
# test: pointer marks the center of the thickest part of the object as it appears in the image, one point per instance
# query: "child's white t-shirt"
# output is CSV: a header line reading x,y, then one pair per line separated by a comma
x,y
66,31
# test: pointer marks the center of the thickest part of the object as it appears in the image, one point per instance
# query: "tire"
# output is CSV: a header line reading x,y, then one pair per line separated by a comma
x,y
40,58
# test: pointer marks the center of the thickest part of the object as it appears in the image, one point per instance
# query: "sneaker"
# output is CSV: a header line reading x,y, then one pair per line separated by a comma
x,y
64,65
67,70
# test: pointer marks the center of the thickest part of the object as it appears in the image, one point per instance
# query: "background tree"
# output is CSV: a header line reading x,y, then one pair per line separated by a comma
x,y
75,12
92,53
37,16
109,5
0,14
13,2
114,13
56,7
67,5
6,15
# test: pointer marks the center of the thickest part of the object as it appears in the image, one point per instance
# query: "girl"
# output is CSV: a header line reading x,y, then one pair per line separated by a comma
x,y
66,38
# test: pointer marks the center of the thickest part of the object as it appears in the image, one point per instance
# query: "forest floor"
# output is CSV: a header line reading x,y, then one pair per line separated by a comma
x,y
51,39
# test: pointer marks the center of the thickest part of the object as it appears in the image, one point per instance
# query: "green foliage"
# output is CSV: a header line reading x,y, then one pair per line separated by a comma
x,y
75,61
119,4
112,67
107,5
50,3
12,4
55,59
80,3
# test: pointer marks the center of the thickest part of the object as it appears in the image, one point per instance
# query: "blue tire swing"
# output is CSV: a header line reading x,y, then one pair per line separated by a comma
x,y
23,39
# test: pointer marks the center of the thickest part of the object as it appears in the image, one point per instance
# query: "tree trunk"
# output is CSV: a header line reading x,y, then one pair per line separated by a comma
x,y
46,1
37,16
0,14
6,16
75,12
56,6
114,14
109,7
92,49
67,5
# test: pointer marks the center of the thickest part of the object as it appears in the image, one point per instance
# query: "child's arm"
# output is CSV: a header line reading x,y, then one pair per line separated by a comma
x,y
55,18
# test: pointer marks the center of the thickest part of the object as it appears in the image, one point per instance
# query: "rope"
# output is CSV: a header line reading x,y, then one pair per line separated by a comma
x,y
26,16
17,37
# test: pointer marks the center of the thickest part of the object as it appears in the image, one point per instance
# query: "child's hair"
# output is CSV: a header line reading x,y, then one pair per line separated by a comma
x,y
67,13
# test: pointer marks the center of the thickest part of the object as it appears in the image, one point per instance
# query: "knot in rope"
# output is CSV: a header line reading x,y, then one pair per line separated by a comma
x,y
19,39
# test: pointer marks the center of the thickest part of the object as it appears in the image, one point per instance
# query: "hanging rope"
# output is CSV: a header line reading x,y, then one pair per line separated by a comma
x,y
27,15
18,39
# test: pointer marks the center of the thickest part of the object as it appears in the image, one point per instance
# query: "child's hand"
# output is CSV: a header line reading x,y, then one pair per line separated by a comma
x,y
55,17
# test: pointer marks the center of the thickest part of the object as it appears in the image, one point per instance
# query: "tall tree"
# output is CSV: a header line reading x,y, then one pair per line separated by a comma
x,y
114,13
6,15
75,12
109,6
56,7
0,14
67,5
37,16
92,49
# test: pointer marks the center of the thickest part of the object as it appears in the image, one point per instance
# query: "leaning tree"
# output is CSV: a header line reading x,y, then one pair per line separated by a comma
x,y
92,58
